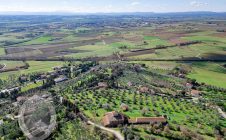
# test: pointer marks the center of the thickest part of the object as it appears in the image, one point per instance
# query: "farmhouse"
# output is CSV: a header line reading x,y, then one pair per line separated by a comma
x,y
102,85
113,119
147,120
195,93
143,89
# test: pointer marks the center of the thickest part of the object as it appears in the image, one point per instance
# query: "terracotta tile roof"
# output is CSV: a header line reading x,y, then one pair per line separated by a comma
x,y
147,120
106,121
113,118
143,89
195,92
134,120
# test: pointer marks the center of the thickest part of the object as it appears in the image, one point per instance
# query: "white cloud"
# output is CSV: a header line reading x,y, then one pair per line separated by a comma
x,y
135,3
198,4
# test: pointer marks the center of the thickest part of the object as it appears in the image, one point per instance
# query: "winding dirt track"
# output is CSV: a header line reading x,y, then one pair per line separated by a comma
x,y
222,113
116,133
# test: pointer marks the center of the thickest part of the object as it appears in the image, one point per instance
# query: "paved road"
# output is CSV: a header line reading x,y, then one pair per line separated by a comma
x,y
116,133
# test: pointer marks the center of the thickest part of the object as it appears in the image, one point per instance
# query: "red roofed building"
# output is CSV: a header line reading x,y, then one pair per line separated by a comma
x,y
143,89
113,119
147,120
195,93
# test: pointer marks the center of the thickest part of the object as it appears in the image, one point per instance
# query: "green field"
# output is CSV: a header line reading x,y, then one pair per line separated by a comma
x,y
12,37
40,40
94,50
12,64
2,51
198,50
123,44
209,73
155,41
35,66
205,38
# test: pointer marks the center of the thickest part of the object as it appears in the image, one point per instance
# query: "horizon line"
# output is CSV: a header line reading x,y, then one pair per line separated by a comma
x,y
90,13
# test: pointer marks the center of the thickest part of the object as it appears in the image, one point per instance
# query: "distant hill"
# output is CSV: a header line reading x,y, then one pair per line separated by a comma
x,y
206,13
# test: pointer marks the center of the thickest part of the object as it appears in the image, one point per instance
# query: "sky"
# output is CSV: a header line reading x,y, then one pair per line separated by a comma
x,y
108,6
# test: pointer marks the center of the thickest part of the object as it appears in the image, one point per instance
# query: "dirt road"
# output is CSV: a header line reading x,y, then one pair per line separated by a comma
x,y
222,113
115,133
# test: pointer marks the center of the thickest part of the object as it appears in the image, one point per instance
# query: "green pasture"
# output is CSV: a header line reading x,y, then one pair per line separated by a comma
x,y
40,40
35,66
205,38
154,41
122,44
197,50
2,51
70,38
12,64
211,74
94,50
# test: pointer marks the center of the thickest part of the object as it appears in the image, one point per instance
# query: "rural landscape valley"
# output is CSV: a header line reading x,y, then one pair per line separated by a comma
x,y
125,76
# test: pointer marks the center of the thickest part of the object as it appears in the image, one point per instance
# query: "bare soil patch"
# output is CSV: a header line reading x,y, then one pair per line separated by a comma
x,y
12,50
223,35
47,50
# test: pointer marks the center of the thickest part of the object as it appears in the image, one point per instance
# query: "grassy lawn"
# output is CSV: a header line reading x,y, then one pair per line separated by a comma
x,y
209,73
